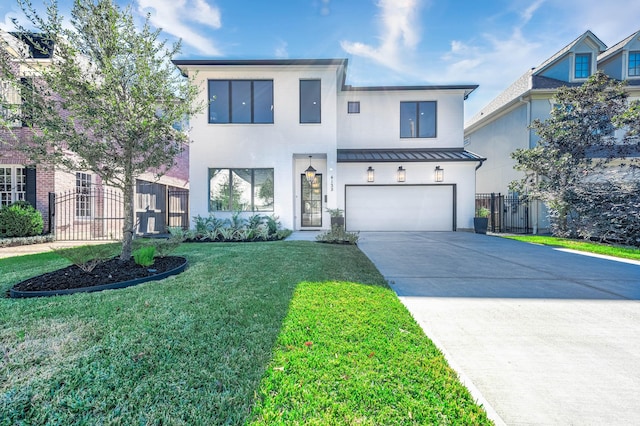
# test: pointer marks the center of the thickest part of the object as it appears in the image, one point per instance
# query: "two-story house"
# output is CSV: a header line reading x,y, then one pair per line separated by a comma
x,y
85,208
502,126
290,138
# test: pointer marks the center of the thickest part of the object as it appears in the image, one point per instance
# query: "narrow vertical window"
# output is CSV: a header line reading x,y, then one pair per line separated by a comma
x,y
634,64
310,101
83,195
583,65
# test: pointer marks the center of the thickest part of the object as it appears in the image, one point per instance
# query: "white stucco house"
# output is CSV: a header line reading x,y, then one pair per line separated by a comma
x,y
502,126
391,157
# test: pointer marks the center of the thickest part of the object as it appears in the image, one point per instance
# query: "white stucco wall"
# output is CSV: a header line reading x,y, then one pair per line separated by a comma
x,y
286,145
378,123
461,173
265,145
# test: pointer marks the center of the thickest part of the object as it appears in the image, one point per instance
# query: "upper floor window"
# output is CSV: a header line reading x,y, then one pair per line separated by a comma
x,y
241,190
634,64
418,119
310,101
240,101
583,65
353,107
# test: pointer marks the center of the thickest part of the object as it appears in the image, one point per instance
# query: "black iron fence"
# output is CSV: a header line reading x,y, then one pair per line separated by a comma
x,y
507,213
97,213
87,214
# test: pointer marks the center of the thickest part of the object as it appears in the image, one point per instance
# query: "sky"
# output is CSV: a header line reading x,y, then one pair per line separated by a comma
x,y
387,42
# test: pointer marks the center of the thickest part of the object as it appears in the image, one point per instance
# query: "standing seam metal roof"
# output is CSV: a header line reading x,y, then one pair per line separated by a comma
x,y
405,155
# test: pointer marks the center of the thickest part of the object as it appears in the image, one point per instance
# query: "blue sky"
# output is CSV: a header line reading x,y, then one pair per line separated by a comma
x,y
388,42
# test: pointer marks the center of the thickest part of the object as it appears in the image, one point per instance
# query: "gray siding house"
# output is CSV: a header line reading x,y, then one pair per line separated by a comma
x,y
502,126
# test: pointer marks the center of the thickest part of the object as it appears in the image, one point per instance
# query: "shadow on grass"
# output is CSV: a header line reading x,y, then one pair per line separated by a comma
x,y
190,349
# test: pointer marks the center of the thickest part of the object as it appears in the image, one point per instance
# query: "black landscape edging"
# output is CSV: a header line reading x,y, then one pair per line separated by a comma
x,y
16,294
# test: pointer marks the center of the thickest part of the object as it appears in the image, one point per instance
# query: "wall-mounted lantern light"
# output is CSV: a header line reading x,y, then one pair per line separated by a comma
x,y
438,174
310,173
402,174
370,175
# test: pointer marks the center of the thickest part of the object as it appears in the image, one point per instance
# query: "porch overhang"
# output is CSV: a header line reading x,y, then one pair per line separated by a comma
x,y
408,155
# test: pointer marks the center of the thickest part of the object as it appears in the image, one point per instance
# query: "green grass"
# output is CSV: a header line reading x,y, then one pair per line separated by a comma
x,y
263,333
606,249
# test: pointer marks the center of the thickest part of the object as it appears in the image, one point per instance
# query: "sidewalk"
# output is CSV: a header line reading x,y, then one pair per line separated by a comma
x,y
42,248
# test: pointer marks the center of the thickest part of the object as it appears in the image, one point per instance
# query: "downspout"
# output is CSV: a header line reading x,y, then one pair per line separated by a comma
x,y
534,213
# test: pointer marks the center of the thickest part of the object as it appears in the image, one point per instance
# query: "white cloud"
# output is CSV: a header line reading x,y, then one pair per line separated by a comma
x,y
325,10
399,33
281,50
179,18
527,14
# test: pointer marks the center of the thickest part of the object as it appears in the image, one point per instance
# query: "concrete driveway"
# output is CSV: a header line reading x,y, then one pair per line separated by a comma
x,y
540,336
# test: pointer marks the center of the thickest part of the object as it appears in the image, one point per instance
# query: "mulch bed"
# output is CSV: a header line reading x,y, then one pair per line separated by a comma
x,y
109,272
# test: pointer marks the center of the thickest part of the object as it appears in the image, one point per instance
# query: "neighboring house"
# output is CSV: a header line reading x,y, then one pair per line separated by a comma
x,y
502,126
85,207
391,157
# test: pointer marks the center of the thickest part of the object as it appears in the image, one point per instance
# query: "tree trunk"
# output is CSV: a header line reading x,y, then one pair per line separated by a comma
x,y
129,222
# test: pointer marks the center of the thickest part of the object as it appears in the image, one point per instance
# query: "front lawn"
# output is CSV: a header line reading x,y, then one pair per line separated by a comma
x,y
580,245
261,333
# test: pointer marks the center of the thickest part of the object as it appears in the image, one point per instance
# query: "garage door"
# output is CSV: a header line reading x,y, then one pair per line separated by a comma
x,y
400,208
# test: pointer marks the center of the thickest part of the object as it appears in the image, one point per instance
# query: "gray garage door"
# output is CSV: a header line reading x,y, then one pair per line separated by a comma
x,y
400,208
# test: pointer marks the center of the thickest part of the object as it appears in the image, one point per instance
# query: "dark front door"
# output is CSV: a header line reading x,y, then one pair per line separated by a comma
x,y
311,201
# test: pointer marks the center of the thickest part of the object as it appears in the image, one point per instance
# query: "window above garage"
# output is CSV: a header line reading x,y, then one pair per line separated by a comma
x,y
418,119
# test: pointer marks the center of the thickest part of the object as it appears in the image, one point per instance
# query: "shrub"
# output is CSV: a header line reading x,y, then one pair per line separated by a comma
x,y
235,228
20,219
163,246
144,255
337,235
89,256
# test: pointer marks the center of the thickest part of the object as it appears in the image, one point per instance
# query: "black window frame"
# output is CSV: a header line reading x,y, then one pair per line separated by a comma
x,y
418,132
585,73
230,172
313,116
353,107
229,100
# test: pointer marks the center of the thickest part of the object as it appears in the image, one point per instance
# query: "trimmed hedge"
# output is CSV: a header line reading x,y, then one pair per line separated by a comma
x,y
20,219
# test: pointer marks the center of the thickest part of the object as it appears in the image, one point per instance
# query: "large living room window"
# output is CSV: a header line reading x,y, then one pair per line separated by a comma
x,y
418,119
634,64
241,190
240,101
583,65
13,184
310,101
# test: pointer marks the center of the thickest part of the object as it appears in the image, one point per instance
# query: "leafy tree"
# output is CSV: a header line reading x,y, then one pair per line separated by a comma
x,y
576,145
111,97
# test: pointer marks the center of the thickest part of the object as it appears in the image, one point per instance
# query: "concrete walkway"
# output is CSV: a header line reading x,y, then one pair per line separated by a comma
x,y
42,248
540,336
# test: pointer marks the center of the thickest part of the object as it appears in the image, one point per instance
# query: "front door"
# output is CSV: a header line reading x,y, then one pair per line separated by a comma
x,y
311,201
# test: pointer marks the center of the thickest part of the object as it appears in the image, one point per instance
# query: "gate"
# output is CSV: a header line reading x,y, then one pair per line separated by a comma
x,y
508,213
178,208
87,214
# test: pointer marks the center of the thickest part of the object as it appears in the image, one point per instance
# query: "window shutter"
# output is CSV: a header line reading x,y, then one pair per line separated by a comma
x,y
30,195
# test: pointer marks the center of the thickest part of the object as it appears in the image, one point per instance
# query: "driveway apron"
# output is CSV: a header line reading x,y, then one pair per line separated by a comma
x,y
540,336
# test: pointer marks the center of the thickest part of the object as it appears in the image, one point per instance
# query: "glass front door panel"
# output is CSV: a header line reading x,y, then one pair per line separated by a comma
x,y
311,201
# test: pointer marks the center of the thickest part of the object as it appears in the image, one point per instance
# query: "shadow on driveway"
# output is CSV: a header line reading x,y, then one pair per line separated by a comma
x,y
539,336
